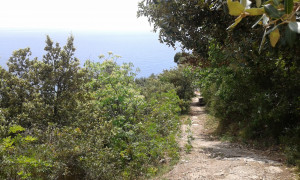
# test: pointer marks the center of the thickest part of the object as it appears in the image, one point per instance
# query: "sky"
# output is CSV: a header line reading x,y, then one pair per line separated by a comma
x,y
71,15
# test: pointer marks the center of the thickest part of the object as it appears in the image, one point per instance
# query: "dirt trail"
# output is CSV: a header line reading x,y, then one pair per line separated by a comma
x,y
212,159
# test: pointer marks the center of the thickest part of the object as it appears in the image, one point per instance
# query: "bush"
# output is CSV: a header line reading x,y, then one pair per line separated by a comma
x,y
182,79
95,125
256,98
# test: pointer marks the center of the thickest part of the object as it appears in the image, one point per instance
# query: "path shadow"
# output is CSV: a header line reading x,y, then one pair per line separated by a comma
x,y
197,113
216,149
195,104
199,103
229,151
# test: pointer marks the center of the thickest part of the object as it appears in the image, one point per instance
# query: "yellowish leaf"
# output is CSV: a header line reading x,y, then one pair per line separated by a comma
x,y
258,3
243,2
255,11
77,130
235,8
237,21
274,37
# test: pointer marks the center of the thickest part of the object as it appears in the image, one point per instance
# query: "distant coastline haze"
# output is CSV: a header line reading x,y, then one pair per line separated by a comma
x,y
70,15
142,49
98,26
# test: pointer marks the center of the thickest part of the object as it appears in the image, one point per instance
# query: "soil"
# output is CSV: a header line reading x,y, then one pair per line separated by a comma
x,y
210,159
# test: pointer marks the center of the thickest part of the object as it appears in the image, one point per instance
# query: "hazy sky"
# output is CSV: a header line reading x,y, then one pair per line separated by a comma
x,y
100,15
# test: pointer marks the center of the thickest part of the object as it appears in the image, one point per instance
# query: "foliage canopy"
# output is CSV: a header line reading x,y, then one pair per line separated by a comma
x,y
250,84
62,121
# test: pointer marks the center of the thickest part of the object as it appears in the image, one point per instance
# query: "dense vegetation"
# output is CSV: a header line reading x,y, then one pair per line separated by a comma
x,y
180,79
62,121
251,85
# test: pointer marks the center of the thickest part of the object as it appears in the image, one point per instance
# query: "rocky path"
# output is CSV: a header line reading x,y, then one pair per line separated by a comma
x,y
211,159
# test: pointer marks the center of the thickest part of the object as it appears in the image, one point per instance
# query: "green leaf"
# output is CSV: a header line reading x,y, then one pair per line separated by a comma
x,y
30,138
20,173
272,11
290,36
7,142
16,128
295,26
276,2
288,6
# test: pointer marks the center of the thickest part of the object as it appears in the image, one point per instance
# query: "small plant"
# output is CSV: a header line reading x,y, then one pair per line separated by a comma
x,y
190,137
188,148
188,121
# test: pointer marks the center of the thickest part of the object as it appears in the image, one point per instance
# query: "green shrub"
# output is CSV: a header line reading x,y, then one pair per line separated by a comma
x,y
182,79
255,98
61,121
18,157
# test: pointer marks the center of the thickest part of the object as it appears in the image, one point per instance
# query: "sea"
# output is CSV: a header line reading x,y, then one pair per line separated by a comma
x,y
143,49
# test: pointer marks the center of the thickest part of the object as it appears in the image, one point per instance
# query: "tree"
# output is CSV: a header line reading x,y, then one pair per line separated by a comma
x,y
250,84
274,14
20,88
194,23
62,121
191,23
36,91
61,80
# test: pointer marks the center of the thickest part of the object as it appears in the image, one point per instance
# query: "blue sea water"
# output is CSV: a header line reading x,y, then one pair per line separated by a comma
x,y
142,49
